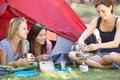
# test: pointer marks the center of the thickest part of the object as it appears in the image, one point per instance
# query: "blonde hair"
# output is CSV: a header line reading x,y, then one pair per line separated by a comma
x,y
12,29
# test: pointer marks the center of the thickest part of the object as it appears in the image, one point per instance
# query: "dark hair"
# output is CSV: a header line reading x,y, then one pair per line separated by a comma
x,y
107,3
34,31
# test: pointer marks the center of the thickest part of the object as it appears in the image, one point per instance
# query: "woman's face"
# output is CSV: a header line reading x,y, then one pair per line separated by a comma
x,y
22,30
103,11
41,37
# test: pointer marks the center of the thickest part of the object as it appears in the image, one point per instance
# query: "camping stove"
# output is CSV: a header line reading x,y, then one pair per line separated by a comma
x,y
83,56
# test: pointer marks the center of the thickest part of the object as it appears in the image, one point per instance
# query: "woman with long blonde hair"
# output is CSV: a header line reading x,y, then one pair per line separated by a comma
x,y
15,45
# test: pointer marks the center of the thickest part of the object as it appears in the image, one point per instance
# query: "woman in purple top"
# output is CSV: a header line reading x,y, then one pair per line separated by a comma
x,y
40,47
15,45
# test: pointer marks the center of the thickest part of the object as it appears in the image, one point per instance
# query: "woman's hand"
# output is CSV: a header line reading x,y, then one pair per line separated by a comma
x,y
45,57
21,62
24,61
39,58
92,47
83,46
42,57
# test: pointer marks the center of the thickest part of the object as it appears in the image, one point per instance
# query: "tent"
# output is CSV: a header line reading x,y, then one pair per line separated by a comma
x,y
57,15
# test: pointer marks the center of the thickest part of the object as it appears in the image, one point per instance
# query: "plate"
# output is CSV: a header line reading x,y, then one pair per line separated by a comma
x,y
25,73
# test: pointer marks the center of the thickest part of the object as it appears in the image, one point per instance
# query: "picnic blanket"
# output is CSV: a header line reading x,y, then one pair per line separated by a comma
x,y
5,69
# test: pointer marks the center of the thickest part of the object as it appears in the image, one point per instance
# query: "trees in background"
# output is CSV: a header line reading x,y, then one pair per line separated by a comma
x,y
91,1
117,1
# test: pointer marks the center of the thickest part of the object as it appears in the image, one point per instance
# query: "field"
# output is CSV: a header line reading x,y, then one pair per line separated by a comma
x,y
74,74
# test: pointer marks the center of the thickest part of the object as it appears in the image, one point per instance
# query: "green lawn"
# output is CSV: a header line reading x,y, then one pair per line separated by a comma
x,y
75,74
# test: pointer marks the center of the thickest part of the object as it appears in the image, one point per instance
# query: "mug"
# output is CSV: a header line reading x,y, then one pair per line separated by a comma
x,y
63,65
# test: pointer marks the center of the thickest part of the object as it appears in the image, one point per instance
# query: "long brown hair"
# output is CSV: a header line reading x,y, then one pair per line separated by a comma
x,y
107,3
34,31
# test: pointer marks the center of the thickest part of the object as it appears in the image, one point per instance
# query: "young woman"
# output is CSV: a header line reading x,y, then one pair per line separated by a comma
x,y
108,25
15,45
40,47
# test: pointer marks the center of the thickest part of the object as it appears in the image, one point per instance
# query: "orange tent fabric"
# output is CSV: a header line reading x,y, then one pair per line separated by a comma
x,y
51,35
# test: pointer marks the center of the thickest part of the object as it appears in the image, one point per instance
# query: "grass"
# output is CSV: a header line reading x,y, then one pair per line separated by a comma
x,y
88,12
75,74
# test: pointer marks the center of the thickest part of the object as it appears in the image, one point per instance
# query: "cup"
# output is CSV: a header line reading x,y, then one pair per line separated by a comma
x,y
29,55
63,65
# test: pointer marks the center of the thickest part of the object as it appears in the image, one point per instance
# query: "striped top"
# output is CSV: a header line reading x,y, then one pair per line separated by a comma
x,y
5,45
